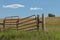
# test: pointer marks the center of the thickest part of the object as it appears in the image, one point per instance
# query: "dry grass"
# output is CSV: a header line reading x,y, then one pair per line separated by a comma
x,y
52,26
52,23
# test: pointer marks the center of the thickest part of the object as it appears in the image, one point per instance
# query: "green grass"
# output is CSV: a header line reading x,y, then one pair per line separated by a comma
x,y
52,32
32,35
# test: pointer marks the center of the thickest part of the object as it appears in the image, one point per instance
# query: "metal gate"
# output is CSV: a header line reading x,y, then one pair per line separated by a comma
x,y
23,24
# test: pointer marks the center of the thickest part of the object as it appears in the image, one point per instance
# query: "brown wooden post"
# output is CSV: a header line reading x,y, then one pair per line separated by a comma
x,y
37,22
4,25
43,22
17,23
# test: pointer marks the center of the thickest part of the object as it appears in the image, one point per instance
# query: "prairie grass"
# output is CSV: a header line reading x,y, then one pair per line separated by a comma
x,y
52,32
32,35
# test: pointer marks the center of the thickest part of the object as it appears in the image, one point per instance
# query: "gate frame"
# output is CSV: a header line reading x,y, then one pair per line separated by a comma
x,y
13,19
37,18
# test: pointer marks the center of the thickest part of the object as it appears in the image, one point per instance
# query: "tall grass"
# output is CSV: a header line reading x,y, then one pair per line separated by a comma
x,y
52,32
29,35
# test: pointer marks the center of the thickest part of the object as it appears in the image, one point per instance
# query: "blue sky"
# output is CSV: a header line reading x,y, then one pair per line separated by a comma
x,y
24,8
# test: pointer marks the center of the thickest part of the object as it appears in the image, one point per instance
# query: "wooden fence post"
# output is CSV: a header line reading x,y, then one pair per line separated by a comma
x,y
43,22
37,22
17,23
4,25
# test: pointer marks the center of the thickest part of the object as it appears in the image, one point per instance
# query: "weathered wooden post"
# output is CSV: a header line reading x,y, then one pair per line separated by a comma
x,y
43,22
17,23
4,25
37,22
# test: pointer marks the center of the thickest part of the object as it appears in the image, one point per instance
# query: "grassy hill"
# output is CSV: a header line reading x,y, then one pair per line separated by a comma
x,y
52,32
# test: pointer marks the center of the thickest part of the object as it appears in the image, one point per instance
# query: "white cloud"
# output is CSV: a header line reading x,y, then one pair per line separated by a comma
x,y
36,8
13,6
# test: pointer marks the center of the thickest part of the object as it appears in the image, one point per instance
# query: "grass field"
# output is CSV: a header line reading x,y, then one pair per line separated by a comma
x,y
52,32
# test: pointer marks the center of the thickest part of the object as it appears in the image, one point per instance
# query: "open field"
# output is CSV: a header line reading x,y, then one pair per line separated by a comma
x,y
53,24
52,32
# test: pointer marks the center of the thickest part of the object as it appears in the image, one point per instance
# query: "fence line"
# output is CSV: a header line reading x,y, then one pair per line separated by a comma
x,y
27,23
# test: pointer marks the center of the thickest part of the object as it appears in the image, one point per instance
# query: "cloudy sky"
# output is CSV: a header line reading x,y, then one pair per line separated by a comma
x,y
25,8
